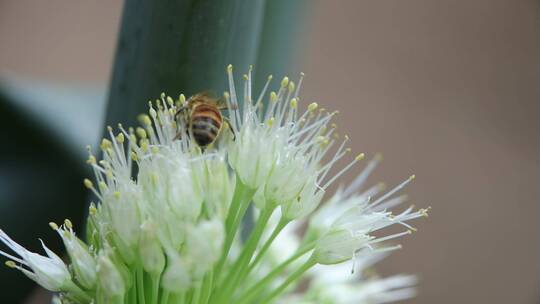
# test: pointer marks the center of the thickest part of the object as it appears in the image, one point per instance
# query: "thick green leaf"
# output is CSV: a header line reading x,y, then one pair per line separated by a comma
x,y
179,47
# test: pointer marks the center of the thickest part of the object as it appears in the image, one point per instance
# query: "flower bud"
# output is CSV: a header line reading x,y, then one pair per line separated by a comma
x,y
287,178
176,277
252,155
109,277
307,201
151,254
338,245
82,262
203,245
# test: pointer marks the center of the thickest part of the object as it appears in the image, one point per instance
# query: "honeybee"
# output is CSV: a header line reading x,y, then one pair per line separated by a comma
x,y
202,114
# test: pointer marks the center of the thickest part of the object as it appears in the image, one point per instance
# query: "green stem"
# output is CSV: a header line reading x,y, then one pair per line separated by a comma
x,y
241,199
282,223
155,278
77,293
240,266
255,289
140,285
196,293
164,297
207,286
291,279
132,296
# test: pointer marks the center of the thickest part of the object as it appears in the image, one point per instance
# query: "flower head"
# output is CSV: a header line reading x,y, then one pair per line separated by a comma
x,y
169,214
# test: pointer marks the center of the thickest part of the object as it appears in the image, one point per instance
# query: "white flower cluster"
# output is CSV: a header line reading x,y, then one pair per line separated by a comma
x,y
166,225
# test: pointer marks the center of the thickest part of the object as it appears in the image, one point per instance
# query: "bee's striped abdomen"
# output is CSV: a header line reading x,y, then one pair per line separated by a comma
x,y
206,121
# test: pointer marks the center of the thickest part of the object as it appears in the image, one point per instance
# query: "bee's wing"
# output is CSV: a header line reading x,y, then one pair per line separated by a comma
x,y
207,94
221,103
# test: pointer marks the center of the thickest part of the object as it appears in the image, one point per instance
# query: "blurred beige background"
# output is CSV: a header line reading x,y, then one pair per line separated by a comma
x,y
448,90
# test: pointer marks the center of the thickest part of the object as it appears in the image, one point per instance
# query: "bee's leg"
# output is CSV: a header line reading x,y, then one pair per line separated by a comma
x,y
222,105
179,135
180,110
226,120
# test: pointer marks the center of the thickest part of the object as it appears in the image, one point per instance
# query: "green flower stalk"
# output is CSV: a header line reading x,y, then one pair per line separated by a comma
x,y
166,225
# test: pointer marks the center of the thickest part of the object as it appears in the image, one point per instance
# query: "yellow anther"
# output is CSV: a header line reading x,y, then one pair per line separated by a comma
x,y
120,138
68,223
294,103
302,74
413,229
102,186
53,225
226,95
312,106
410,231
270,77
109,128
91,160
348,150
146,120
162,95
270,121
230,68
336,135
155,149
154,178
333,125
182,99
245,77
141,132
11,264
88,183
105,144
360,156
153,113
92,209
116,194
346,137
109,174
170,101
144,145
424,212
412,177
284,82
291,86
134,156
273,97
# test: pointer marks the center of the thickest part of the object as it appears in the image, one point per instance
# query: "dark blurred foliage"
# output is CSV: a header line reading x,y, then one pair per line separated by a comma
x,y
40,181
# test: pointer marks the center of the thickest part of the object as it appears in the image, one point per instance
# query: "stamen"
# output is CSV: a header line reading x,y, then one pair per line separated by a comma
x,y
356,159
391,192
